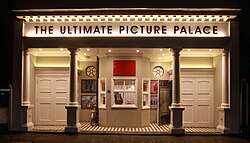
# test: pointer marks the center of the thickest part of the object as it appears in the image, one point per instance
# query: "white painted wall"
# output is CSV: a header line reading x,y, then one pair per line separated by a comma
x,y
52,62
84,114
196,62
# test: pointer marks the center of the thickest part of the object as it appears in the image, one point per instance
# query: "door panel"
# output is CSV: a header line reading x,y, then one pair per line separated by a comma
x,y
203,114
60,113
45,99
188,115
45,113
187,88
203,89
61,98
187,100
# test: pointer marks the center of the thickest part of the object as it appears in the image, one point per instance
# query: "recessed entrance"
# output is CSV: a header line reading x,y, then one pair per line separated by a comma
x,y
196,91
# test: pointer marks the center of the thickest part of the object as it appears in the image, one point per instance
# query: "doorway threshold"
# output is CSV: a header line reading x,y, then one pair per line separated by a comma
x,y
202,130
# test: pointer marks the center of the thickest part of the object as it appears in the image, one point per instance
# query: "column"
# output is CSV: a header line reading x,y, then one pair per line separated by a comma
x,y
225,95
176,109
26,117
73,76
26,79
73,125
224,108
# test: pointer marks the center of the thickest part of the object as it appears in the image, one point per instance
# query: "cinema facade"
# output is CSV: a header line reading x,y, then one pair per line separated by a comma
x,y
174,67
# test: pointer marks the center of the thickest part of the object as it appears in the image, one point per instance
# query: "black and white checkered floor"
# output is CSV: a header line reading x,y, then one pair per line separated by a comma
x,y
153,128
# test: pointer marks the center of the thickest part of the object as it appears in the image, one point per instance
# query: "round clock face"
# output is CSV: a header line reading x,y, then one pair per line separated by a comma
x,y
90,71
158,71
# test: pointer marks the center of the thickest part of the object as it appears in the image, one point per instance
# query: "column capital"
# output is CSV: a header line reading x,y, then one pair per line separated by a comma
x,y
176,51
26,51
225,52
73,50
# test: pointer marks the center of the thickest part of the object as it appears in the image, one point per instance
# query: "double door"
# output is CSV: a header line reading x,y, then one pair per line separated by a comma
x,y
52,97
197,98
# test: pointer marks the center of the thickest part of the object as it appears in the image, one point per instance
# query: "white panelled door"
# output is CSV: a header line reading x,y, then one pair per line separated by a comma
x,y
197,98
52,96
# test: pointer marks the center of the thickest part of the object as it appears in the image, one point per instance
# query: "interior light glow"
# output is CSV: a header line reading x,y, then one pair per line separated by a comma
x,y
137,51
61,49
210,50
163,54
84,54
88,49
189,50
161,50
40,49
109,51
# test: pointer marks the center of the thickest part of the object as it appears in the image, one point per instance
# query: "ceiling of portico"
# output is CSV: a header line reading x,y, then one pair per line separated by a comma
x,y
155,54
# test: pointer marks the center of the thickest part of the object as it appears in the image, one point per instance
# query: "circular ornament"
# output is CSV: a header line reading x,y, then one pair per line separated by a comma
x,y
90,71
158,71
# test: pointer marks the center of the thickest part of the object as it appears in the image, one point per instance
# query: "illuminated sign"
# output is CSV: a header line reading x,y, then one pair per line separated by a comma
x,y
127,29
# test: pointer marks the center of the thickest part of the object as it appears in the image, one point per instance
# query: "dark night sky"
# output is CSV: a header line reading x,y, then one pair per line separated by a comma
x,y
6,43
244,19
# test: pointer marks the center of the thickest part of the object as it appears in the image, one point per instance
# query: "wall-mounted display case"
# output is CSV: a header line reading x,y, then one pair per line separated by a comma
x,y
145,93
102,92
124,92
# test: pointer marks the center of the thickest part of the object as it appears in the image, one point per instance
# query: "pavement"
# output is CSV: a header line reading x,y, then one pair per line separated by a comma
x,y
115,138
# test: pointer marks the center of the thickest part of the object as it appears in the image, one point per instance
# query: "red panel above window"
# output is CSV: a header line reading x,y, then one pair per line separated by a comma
x,y
124,67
